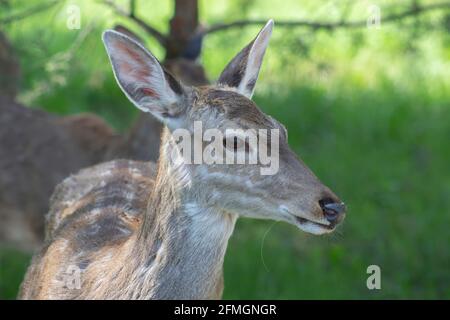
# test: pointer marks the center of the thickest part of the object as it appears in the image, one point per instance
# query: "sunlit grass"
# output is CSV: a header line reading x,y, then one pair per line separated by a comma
x,y
382,153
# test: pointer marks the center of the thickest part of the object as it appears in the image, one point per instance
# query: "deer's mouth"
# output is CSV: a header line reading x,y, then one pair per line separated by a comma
x,y
304,221
309,226
313,227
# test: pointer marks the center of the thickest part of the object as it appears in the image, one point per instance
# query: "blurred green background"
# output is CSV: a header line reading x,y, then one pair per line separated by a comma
x,y
368,109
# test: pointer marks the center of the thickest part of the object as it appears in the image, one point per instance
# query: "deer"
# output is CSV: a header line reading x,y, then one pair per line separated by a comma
x,y
80,140
138,230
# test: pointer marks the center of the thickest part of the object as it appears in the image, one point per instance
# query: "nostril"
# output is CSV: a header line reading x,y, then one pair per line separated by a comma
x,y
331,209
330,215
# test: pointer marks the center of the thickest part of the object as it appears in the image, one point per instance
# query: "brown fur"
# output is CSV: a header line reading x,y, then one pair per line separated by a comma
x,y
90,214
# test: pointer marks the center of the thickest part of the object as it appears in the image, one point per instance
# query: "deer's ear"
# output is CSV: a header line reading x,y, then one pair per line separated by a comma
x,y
142,78
242,72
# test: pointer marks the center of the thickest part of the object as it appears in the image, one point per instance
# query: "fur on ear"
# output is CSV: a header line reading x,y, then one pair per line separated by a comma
x,y
242,72
142,78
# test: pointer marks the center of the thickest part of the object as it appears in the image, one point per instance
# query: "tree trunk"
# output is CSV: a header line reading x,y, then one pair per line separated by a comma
x,y
183,27
9,69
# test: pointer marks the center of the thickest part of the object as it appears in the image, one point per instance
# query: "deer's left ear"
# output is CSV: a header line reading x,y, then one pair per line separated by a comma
x,y
242,72
143,80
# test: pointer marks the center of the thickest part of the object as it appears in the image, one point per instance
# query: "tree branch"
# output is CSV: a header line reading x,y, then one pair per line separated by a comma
x,y
161,38
28,12
415,10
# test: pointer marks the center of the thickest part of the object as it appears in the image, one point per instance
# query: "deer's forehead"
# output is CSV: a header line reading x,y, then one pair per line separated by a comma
x,y
232,106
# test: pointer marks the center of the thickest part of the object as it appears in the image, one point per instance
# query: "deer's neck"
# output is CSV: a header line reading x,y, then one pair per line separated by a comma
x,y
182,242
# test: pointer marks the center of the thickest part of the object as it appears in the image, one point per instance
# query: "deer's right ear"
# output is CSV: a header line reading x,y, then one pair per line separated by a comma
x,y
143,80
242,72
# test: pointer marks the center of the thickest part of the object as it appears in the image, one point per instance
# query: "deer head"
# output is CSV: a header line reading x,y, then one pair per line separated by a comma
x,y
290,193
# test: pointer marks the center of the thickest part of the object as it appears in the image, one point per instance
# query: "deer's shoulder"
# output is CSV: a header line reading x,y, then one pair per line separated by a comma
x,y
92,215
102,198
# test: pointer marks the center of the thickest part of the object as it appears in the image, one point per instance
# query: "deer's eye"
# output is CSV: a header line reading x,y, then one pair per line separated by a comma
x,y
235,144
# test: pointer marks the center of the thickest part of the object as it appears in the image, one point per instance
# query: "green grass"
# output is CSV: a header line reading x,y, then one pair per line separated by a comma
x,y
13,265
386,155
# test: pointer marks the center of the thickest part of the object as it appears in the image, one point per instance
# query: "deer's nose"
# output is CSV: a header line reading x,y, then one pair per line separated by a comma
x,y
333,211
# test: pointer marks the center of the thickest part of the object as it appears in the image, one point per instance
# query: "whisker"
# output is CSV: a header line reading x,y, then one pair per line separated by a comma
x,y
262,244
